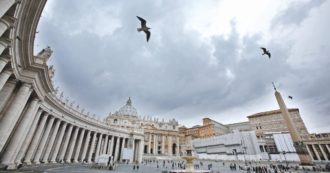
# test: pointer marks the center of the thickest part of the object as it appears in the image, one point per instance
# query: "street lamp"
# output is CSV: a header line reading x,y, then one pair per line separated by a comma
x,y
244,151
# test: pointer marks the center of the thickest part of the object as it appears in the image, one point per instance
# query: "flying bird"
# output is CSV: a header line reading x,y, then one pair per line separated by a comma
x,y
290,97
144,27
265,52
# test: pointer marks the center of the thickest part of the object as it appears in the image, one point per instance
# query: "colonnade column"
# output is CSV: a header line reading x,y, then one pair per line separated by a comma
x,y
58,143
4,76
91,148
5,6
6,92
81,136
83,155
323,153
18,138
51,142
72,143
98,146
6,22
36,139
13,113
4,43
44,140
29,137
66,142
4,59
315,151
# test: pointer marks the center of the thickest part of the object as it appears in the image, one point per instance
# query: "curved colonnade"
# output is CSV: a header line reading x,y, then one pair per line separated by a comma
x,y
35,126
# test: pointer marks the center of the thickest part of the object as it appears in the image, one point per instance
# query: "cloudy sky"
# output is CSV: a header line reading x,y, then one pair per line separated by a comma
x,y
203,58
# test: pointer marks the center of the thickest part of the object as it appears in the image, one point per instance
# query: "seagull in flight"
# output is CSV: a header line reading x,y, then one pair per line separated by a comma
x,y
290,97
265,52
144,27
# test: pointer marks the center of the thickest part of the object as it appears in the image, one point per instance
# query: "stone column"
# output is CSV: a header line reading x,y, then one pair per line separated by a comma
x,y
58,143
301,149
117,149
122,149
4,60
4,76
141,144
5,23
133,149
13,113
323,153
98,146
91,150
163,144
149,144
4,43
111,145
28,138
44,140
18,138
169,145
66,142
83,155
104,151
6,93
177,146
51,142
155,151
81,136
316,152
5,6
36,139
72,144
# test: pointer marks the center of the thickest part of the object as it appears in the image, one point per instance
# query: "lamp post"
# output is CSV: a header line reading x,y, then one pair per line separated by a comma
x,y
244,151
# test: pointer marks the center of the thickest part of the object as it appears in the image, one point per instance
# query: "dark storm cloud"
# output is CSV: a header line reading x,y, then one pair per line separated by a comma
x,y
101,60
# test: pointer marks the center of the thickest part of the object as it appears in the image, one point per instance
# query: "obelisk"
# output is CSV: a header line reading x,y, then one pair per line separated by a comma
x,y
297,142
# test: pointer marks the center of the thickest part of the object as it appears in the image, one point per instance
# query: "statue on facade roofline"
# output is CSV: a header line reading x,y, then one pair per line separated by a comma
x,y
45,54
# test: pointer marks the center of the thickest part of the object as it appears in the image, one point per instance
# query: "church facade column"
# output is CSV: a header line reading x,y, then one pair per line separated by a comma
x,y
169,145
140,155
149,144
34,144
83,155
163,144
76,154
91,150
104,151
133,149
177,148
28,138
58,143
13,113
17,140
155,150
111,145
43,140
122,149
51,142
72,143
66,143
117,149
4,76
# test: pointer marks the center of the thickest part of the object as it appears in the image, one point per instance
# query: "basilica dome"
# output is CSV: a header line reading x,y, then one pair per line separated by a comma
x,y
127,110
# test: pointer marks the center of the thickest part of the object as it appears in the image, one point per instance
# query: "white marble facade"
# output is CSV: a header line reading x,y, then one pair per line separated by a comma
x,y
36,125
